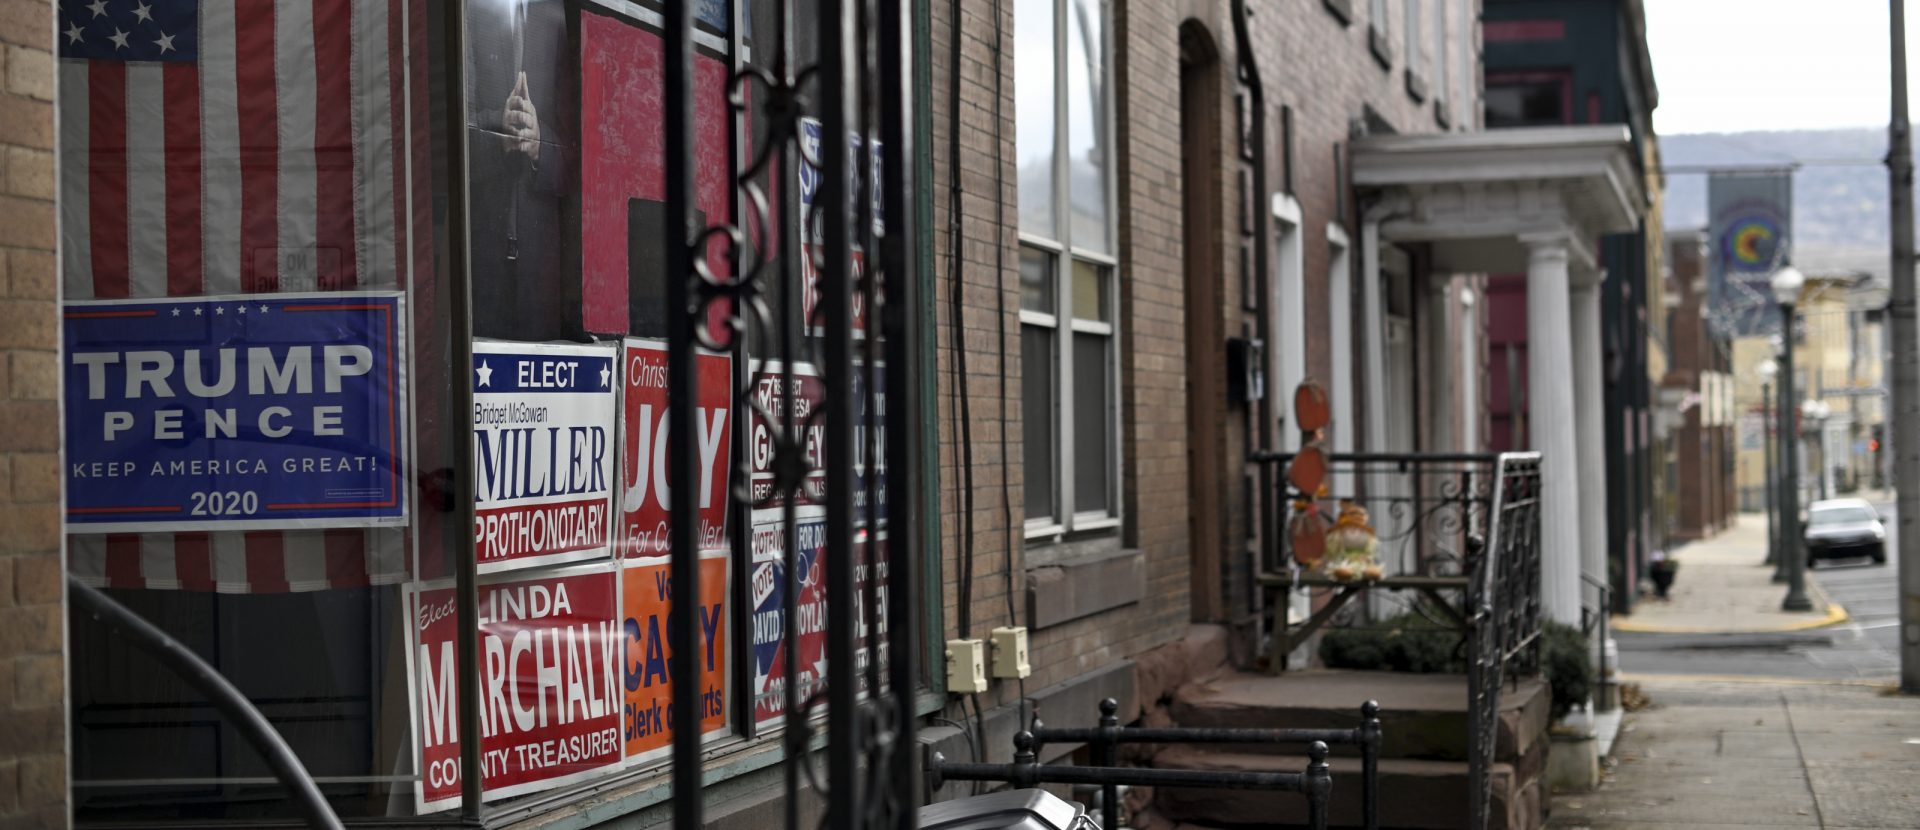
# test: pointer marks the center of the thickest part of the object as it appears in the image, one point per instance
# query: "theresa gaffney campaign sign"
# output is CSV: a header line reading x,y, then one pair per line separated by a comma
x,y
235,412
543,452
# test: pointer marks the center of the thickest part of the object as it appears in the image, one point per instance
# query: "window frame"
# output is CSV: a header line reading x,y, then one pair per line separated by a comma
x,y
1064,252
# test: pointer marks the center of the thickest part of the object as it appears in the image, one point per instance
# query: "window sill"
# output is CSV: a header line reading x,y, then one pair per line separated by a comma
x,y
1342,10
1377,44
1074,580
1416,87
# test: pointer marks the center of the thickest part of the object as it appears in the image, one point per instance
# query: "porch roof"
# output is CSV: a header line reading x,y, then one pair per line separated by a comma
x,y
1477,196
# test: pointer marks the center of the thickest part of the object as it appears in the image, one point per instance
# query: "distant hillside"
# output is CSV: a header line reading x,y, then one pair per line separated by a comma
x,y
1839,194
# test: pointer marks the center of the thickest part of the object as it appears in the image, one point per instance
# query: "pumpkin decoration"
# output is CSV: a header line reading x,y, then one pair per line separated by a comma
x,y
1307,533
1351,546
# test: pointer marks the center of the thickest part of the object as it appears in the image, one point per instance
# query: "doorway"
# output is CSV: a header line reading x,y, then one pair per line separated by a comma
x,y
1205,346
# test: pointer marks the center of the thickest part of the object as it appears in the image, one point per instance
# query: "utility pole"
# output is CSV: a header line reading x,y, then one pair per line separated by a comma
x,y
1906,359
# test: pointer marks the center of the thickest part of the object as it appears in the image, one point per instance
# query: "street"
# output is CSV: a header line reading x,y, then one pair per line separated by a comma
x,y
1864,648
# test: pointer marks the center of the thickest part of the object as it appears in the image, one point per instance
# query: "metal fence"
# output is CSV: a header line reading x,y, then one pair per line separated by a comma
x,y
1504,596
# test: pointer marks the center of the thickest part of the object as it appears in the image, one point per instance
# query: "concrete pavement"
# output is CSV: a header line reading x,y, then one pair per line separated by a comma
x,y
1724,587
1720,755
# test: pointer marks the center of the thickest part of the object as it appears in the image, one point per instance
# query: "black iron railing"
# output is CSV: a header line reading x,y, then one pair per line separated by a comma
x,y
1105,741
834,290
1460,530
1504,597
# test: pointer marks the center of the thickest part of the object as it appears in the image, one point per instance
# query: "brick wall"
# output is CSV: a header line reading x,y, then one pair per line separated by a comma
x,y
33,763
1313,63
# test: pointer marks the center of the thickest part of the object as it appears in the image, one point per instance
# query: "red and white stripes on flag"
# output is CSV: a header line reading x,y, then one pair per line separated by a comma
x,y
289,153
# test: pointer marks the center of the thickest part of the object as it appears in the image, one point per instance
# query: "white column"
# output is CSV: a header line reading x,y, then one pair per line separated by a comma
x,y
1373,318
1551,424
1589,404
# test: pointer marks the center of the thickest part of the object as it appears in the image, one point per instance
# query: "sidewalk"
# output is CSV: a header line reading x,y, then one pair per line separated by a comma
x,y
1723,588
1715,755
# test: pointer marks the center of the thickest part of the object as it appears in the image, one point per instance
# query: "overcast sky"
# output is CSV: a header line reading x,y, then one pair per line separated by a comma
x,y
1734,65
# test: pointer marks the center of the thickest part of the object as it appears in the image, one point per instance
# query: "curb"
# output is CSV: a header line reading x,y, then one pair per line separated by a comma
x,y
1755,679
1836,615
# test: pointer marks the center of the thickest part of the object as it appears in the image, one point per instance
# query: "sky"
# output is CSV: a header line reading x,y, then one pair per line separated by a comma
x,y
1737,65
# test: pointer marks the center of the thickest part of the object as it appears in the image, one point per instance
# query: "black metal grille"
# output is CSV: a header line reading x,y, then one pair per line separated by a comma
x,y
1504,596
859,90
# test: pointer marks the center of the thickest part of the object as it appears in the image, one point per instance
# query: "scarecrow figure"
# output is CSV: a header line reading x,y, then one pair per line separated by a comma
x,y
1351,546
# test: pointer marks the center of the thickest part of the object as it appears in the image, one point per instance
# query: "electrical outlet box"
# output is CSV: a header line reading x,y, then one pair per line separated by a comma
x,y
1010,653
966,666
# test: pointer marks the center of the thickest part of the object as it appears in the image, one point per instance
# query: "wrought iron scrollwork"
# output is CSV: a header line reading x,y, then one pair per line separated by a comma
x,y
857,93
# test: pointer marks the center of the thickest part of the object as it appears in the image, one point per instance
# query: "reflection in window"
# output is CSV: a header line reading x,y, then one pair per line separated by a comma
x,y
1069,380
1034,123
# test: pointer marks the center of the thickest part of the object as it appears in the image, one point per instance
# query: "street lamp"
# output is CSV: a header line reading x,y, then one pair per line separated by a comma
x,y
1786,284
1766,371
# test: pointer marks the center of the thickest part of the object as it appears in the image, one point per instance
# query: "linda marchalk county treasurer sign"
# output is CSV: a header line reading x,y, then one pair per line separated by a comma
x,y
250,411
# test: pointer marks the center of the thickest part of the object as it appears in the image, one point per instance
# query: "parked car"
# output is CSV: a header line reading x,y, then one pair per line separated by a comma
x,y
1843,529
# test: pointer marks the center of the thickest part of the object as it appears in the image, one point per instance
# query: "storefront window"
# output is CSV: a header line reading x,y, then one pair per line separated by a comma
x,y
261,375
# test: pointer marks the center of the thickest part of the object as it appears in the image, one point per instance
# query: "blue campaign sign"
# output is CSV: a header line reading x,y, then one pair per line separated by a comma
x,y
256,411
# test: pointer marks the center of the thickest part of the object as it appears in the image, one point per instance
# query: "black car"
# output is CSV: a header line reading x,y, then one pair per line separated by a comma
x,y
1844,529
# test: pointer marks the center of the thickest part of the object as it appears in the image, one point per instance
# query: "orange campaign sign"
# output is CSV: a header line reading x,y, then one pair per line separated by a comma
x,y
647,718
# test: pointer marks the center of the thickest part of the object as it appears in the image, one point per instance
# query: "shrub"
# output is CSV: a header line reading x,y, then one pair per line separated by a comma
x,y
1408,642
1412,643
1567,661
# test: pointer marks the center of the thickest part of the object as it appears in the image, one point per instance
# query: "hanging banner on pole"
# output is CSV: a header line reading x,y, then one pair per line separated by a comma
x,y
1750,225
644,441
550,690
259,411
543,452
648,719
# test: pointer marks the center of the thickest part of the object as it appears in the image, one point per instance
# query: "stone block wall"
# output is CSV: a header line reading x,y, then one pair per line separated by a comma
x,y
33,735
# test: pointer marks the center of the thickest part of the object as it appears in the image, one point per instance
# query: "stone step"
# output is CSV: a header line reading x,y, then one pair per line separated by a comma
x,y
1413,793
1422,716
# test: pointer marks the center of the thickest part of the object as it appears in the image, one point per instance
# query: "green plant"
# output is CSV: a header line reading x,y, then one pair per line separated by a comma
x,y
1566,660
1408,642
1411,642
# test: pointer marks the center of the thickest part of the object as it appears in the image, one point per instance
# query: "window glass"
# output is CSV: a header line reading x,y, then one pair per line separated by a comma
x,y
1069,437
1089,291
312,472
1033,101
1092,420
1037,418
1087,142
1526,103
1036,280
287,462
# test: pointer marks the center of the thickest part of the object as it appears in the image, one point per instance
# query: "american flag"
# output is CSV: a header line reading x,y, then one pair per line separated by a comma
x,y
216,147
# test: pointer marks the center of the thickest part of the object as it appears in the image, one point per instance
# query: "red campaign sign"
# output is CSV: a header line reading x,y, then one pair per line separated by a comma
x,y
644,494
771,388
623,159
646,599
551,692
